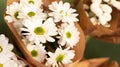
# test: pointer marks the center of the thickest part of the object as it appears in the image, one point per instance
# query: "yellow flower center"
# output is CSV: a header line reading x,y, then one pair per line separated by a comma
x,y
59,58
31,1
1,49
31,14
66,14
16,15
34,53
39,31
1,65
61,11
68,35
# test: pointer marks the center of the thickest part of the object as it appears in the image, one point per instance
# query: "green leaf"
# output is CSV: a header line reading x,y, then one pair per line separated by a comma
x,y
96,48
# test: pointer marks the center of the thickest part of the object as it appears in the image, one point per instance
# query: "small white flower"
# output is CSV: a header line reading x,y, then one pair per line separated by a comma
x,y
5,49
69,35
103,21
63,12
107,16
7,57
37,51
103,12
95,8
106,8
39,31
12,15
31,11
63,56
13,12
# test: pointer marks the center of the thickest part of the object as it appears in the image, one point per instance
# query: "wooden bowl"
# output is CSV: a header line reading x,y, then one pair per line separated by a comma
x,y
79,48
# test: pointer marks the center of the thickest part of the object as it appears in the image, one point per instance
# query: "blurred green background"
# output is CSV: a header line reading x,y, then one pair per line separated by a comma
x,y
94,48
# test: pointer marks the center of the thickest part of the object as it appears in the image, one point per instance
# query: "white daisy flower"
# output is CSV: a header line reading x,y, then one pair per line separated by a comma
x,y
63,56
63,12
69,35
106,8
5,49
38,52
39,31
31,11
12,15
7,57
37,3
13,12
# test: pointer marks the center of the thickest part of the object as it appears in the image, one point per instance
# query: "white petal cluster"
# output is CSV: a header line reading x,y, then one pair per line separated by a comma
x,y
37,51
40,32
7,57
69,35
5,49
60,56
102,10
31,11
12,12
39,28
63,12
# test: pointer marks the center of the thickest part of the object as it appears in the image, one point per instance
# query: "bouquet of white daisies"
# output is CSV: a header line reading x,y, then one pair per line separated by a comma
x,y
100,17
7,57
50,36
